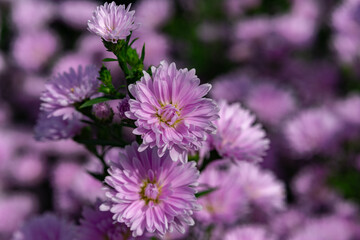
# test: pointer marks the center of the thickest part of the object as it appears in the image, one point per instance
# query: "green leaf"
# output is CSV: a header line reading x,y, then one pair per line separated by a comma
x,y
205,192
109,60
143,53
132,42
107,86
94,101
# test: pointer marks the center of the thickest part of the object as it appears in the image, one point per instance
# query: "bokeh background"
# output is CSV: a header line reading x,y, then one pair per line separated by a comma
x,y
293,63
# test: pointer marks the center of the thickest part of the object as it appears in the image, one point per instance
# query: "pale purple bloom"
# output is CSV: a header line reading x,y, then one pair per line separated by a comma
x,y
32,51
261,187
76,13
28,169
237,7
248,232
312,131
112,22
56,128
329,228
285,223
231,87
102,111
152,14
46,227
171,112
345,21
269,103
68,88
31,15
253,28
74,186
311,188
224,205
33,85
97,225
71,60
348,109
238,137
14,209
151,193
299,26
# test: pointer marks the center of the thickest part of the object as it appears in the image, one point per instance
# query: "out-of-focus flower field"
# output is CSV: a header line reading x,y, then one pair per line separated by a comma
x,y
294,65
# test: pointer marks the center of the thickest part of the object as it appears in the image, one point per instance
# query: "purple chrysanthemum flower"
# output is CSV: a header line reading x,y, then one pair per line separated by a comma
x,y
171,112
76,13
330,228
271,104
227,202
46,227
250,232
237,136
64,90
260,187
312,131
97,225
56,128
14,209
112,22
151,193
33,50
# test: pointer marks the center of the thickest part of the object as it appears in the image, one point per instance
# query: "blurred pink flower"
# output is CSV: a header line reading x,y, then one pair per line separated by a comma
x,y
112,22
32,51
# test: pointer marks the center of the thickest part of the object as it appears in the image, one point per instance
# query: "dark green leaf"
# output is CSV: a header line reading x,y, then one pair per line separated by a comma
x,y
204,193
143,53
94,101
109,60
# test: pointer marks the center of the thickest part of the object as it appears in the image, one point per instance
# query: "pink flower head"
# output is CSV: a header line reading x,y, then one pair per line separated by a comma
x,y
97,225
33,50
330,228
237,136
46,227
56,128
313,131
151,193
260,187
250,232
68,88
271,104
171,112
225,204
112,22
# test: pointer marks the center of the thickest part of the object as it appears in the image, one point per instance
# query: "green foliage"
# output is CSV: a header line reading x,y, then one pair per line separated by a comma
x,y
205,192
95,101
347,183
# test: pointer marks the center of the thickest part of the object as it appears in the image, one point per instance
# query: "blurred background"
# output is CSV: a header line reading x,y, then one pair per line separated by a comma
x,y
293,63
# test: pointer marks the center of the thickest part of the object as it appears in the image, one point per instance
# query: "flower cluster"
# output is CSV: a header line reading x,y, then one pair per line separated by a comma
x,y
131,144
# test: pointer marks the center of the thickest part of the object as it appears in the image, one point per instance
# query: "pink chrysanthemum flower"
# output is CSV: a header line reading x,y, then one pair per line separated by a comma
x,y
250,232
97,225
151,193
237,136
46,227
227,203
171,112
260,187
112,22
65,90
